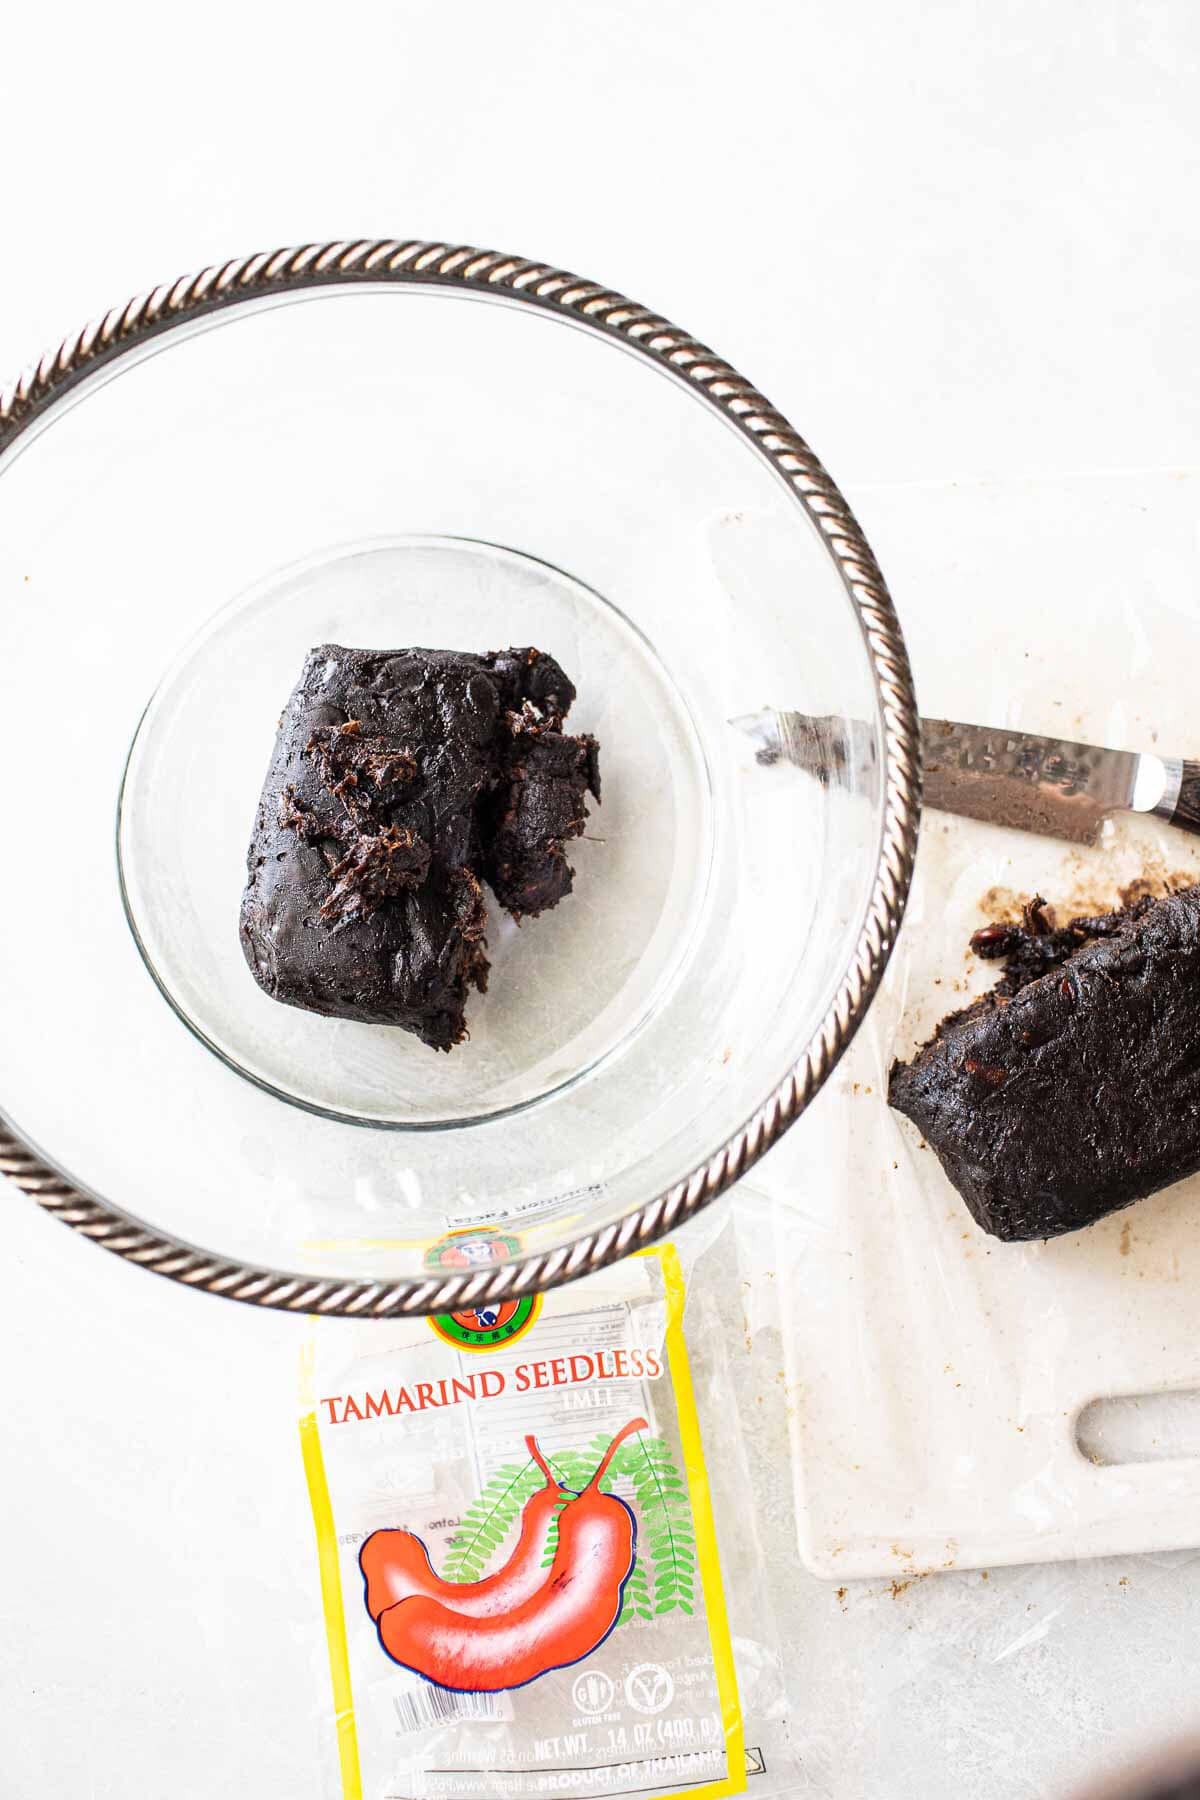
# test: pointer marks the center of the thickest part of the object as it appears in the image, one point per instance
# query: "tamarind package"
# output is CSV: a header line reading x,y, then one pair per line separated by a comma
x,y
537,1548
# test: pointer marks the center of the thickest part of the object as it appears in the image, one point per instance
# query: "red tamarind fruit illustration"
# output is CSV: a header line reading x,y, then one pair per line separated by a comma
x,y
396,1565
568,1614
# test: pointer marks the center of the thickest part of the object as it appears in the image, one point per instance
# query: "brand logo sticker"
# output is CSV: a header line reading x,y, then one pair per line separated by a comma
x,y
487,1327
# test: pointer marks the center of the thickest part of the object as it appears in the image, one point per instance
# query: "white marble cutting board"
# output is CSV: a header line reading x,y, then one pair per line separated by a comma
x,y
936,1375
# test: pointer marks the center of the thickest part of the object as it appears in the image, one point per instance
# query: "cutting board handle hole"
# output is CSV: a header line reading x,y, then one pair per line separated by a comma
x,y
1140,1428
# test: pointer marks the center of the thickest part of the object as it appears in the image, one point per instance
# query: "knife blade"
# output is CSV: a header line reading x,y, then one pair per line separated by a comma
x,y
1018,779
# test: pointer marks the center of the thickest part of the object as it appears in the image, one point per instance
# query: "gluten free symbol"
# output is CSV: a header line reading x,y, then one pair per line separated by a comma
x,y
592,1691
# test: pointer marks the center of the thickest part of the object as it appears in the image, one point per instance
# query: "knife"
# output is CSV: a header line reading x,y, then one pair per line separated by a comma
x,y
1014,778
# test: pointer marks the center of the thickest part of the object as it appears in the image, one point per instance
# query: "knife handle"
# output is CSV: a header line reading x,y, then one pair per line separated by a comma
x,y
1180,805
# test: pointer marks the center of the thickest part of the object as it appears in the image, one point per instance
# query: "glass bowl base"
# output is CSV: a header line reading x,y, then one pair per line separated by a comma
x,y
567,991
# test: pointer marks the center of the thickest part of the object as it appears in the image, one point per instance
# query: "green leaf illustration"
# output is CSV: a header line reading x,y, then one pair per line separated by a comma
x,y
662,1578
643,1473
489,1520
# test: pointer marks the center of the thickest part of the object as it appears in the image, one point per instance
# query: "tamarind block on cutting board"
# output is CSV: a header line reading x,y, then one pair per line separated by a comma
x,y
1078,1093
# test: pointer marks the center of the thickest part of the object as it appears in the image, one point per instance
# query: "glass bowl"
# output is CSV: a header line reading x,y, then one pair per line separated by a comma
x,y
384,445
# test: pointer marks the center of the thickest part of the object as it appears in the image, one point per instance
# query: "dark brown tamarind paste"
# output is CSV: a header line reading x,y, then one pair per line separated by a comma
x,y
401,782
1073,1087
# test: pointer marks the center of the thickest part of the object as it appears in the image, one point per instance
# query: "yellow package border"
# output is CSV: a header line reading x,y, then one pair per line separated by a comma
x,y
700,1499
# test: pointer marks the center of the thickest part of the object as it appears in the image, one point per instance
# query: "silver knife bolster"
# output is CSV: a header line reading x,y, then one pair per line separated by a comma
x,y
1164,808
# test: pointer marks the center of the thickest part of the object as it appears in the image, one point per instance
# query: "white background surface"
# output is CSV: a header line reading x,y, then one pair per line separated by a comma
x,y
950,242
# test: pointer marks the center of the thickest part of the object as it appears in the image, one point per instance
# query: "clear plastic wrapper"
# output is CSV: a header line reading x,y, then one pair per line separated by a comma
x,y
535,1577
956,1404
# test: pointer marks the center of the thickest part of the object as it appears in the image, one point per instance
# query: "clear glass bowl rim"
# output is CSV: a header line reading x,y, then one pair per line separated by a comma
x,y
457,268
